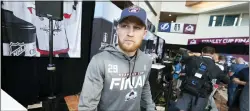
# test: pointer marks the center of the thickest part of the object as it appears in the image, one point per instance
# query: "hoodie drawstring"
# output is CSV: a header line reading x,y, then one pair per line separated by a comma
x,y
130,73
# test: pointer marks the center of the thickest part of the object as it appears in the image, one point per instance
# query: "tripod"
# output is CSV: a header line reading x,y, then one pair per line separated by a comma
x,y
166,90
50,103
53,11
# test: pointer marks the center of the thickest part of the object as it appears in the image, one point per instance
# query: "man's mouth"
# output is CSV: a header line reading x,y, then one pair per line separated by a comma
x,y
129,41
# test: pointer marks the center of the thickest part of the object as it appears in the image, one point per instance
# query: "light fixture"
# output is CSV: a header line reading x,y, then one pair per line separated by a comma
x,y
172,21
169,15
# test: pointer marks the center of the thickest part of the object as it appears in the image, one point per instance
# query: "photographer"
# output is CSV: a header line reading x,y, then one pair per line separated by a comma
x,y
197,85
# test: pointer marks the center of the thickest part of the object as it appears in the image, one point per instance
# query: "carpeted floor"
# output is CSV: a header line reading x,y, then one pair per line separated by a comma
x,y
70,103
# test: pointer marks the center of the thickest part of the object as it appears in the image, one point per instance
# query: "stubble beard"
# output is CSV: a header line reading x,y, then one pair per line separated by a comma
x,y
129,49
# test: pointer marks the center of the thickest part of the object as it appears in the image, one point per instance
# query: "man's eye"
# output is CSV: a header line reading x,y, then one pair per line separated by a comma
x,y
137,28
124,26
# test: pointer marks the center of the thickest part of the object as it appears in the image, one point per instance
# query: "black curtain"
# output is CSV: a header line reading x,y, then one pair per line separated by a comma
x,y
26,79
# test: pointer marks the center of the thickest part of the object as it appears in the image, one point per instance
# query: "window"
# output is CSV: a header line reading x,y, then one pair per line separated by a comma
x,y
216,20
244,19
231,20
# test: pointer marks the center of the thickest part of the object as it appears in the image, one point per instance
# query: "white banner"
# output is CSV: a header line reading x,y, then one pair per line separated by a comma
x,y
177,27
23,27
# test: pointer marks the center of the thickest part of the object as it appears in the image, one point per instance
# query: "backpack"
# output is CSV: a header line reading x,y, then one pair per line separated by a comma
x,y
198,83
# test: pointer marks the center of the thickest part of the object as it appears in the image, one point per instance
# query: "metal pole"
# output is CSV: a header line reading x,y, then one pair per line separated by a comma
x,y
50,40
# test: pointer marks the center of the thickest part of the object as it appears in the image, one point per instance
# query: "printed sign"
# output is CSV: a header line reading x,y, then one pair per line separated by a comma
x,y
177,27
164,27
189,28
220,41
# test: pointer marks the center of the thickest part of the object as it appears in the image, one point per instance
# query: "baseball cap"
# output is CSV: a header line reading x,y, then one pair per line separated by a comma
x,y
135,11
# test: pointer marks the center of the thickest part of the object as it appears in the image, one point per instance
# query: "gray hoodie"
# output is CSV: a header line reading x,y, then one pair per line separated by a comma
x,y
109,86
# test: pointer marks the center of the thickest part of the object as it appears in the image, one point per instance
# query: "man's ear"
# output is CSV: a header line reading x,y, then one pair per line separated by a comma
x,y
145,33
117,28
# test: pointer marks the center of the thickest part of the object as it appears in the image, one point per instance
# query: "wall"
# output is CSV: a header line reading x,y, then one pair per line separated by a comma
x,y
174,38
191,19
154,19
202,7
172,7
202,29
107,10
157,8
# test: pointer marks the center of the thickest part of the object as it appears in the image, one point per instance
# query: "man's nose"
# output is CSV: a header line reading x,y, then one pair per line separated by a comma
x,y
130,32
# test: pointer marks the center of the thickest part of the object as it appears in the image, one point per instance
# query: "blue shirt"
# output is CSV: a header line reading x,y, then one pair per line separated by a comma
x,y
177,67
177,70
235,68
243,74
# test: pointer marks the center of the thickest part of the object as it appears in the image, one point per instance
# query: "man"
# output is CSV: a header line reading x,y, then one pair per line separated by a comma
x,y
197,86
177,68
117,77
211,106
242,79
217,61
222,61
235,68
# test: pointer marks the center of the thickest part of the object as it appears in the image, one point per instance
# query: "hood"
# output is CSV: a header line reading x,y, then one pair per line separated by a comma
x,y
115,50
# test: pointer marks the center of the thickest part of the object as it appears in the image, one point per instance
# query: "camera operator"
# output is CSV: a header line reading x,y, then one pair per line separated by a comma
x,y
197,85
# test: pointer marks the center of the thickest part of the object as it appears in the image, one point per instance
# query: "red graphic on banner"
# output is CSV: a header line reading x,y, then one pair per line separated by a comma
x,y
67,16
30,9
189,28
220,41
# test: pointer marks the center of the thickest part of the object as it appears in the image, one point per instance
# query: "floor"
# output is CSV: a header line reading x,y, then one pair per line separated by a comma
x,y
70,103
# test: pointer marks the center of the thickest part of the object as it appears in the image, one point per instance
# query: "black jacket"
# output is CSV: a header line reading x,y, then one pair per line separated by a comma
x,y
214,71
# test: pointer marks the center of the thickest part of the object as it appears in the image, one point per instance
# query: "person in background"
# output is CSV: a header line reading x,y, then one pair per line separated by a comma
x,y
211,106
118,77
216,57
235,68
177,68
217,61
224,67
222,61
193,97
242,79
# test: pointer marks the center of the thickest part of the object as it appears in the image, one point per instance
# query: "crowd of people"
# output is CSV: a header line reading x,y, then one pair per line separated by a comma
x,y
233,78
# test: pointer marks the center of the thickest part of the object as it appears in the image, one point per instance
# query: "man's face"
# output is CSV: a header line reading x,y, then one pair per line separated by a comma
x,y
216,57
131,32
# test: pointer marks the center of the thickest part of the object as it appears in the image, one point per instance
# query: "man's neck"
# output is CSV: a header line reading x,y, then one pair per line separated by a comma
x,y
130,54
207,55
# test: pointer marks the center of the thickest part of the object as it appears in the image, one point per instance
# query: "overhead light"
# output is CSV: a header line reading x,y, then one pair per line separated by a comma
x,y
169,15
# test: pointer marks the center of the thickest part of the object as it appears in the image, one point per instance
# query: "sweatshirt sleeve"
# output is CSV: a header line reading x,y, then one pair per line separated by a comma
x,y
92,87
146,98
221,76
